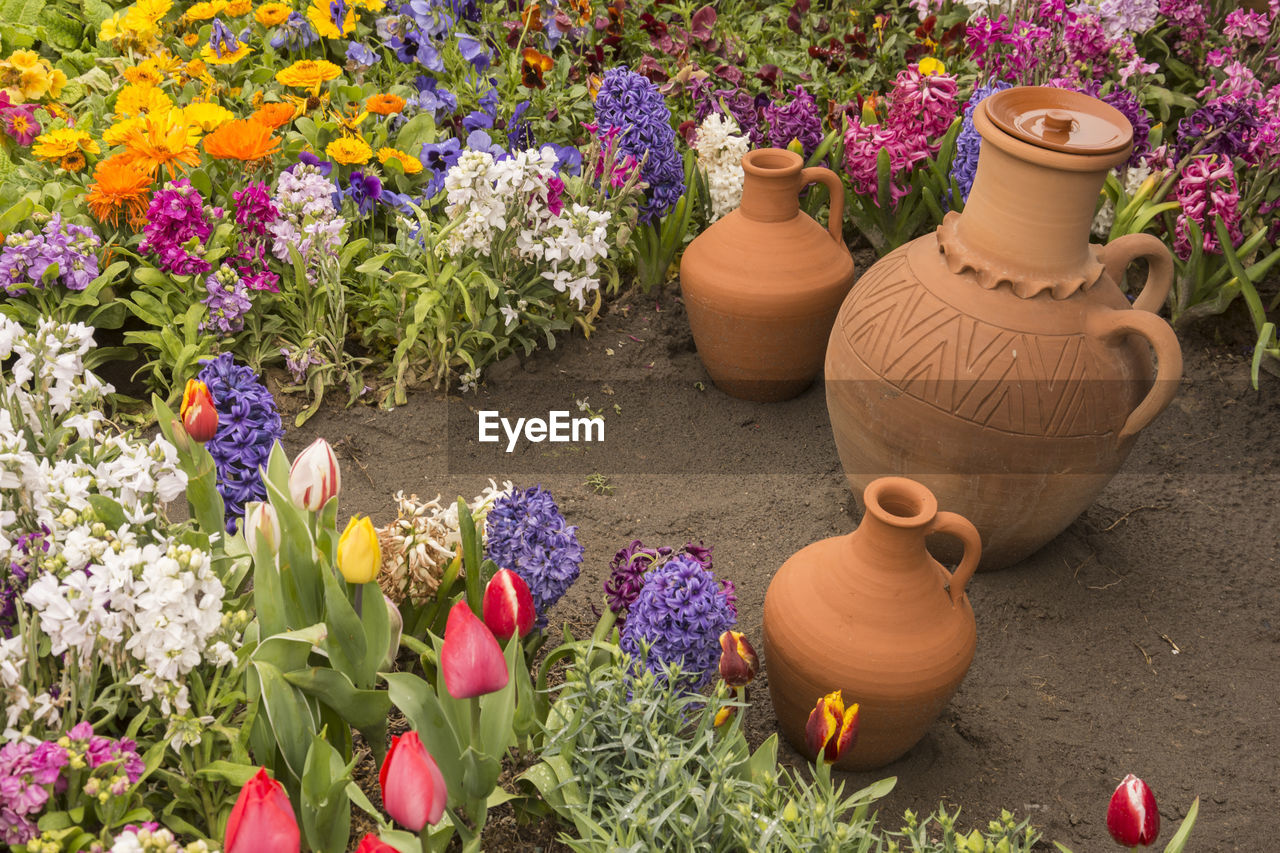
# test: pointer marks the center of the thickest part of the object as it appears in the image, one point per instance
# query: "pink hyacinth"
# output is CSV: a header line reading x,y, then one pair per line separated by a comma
x,y
925,103
1207,190
862,145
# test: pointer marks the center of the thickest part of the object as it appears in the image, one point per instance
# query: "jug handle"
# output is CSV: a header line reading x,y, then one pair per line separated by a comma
x,y
835,188
1122,251
961,528
1114,325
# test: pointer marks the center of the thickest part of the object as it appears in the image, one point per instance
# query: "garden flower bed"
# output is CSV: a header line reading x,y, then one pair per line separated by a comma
x,y
375,223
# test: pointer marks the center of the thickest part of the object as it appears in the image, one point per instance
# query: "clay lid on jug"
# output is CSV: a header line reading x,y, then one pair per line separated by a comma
x,y
1060,120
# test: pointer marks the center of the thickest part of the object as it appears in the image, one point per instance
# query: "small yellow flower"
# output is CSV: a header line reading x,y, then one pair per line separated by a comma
x,y
34,83
208,117
57,79
145,74
359,554
228,57
73,162
62,142
322,20
410,164
374,6
308,74
930,66
239,8
135,100
121,130
205,10
24,59
191,39
272,14
349,151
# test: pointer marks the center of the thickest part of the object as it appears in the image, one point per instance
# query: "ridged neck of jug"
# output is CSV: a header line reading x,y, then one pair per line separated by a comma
x,y
1028,217
771,185
899,513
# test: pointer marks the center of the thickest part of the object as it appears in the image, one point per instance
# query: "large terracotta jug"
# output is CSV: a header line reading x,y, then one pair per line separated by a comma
x,y
996,360
762,285
872,614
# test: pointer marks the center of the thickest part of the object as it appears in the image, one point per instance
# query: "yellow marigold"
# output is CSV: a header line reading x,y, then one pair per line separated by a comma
x,y
308,74
275,115
322,20
205,10
191,39
374,6
208,117
194,69
272,14
73,162
135,100
410,164
349,151
228,57
144,75
385,104
119,132
145,14
59,143
239,8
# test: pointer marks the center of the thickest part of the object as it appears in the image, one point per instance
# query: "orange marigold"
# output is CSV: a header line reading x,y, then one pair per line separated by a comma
x,y
244,139
161,141
385,104
119,187
274,115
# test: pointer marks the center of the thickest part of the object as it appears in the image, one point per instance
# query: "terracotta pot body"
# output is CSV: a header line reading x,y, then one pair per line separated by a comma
x,y
763,284
996,360
872,614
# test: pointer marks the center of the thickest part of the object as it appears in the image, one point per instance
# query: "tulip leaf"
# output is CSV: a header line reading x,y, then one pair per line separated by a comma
x,y
297,554
1179,840
471,556
418,702
377,633
233,774
360,708
497,710
289,650
288,715
268,597
763,765
479,774
326,809
345,643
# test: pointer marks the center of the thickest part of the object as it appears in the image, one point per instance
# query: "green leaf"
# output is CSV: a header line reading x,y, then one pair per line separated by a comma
x,y
1179,840
345,644
235,775
418,702
326,809
360,708
290,719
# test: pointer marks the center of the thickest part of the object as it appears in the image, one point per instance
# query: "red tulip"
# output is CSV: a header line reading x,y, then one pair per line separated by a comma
x,y
1132,817
508,605
470,658
738,660
199,414
413,789
832,728
372,844
262,819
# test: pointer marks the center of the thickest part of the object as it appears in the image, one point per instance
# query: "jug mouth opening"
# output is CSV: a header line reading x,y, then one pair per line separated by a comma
x,y
900,502
772,162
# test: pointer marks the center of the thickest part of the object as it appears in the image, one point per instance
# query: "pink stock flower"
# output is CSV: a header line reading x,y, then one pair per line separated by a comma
x,y
1246,24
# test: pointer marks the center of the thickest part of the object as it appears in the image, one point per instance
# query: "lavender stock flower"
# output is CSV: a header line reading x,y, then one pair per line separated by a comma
x,y
248,426
528,535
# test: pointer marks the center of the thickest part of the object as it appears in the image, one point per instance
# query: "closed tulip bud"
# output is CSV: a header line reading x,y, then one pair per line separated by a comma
x,y
1132,817
832,728
261,525
395,622
314,476
738,661
508,605
413,789
359,554
199,414
470,656
373,844
262,819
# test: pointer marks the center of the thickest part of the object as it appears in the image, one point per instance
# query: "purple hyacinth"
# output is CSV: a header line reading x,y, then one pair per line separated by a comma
x,y
528,535
248,426
227,300
1231,123
177,215
965,163
1128,104
679,614
744,108
796,120
631,102
630,565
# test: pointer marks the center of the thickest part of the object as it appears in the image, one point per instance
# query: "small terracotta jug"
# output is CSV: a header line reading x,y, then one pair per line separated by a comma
x,y
762,285
872,614
996,360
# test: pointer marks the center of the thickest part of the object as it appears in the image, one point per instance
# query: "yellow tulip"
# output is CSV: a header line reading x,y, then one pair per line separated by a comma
x,y
359,555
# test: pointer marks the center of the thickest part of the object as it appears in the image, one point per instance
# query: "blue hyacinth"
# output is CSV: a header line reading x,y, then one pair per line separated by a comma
x,y
965,164
680,613
248,426
528,535
631,103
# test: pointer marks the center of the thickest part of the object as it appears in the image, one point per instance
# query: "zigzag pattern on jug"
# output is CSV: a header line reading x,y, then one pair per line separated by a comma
x,y
977,371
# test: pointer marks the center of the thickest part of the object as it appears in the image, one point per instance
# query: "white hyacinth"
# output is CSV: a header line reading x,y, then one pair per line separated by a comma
x,y
721,147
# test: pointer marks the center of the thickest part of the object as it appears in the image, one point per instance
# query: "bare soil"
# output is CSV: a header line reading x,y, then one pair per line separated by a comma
x,y
1144,639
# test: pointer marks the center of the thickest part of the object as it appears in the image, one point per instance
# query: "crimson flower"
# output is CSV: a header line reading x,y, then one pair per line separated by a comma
x,y
372,844
262,819
470,658
1132,816
508,605
413,789
832,728
199,414
533,64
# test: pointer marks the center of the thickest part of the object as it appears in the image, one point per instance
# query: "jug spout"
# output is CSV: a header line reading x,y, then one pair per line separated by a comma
x,y
771,185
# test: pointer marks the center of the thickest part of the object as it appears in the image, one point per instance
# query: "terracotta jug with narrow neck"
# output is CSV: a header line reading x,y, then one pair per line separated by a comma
x,y
873,615
997,360
763,284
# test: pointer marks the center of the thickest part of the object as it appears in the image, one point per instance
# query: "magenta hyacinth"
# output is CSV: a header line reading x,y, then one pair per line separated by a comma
x,y
1207,190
